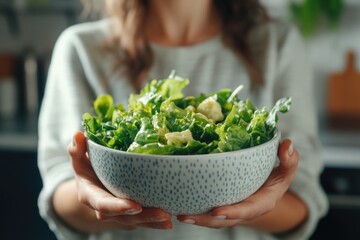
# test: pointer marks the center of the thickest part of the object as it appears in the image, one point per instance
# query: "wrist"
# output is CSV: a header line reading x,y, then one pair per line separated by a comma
x,y
289,213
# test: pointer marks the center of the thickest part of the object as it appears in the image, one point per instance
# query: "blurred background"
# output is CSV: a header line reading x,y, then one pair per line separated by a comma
x,y
29,29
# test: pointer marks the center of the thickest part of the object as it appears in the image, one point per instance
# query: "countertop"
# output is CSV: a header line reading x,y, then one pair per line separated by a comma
x,y
341,147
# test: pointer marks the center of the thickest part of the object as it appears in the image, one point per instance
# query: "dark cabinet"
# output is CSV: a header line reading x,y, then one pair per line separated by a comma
x,y
342,184
20,184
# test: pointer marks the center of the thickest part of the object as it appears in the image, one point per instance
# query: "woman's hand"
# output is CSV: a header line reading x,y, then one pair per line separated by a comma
x,y
111,211
264,208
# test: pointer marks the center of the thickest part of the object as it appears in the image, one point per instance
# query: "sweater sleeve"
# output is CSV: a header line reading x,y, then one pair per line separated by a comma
x,y
300,125
66,97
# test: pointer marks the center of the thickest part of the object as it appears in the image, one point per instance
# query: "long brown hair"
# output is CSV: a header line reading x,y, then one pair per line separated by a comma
x,y
238,18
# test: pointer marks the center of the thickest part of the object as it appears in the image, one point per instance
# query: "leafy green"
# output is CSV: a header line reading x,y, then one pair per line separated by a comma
x,y
160,120
309,13
104,106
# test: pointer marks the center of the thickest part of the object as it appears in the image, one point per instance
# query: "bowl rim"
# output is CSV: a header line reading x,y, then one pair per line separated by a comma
x,y
276,137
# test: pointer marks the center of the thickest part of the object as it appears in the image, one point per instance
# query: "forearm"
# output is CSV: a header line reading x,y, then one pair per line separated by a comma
x,y
75,214
289,213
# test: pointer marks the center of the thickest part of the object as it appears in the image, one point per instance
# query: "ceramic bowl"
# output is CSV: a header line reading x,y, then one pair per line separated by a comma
x,y
185,184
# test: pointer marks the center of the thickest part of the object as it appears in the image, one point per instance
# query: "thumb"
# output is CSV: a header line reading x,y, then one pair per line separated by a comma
x,y
77,151
288,156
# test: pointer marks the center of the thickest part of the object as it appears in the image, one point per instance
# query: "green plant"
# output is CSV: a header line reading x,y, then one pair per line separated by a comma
x,y
308,13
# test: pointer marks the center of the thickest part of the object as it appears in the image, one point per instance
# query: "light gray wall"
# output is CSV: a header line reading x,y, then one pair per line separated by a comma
x,y
326,48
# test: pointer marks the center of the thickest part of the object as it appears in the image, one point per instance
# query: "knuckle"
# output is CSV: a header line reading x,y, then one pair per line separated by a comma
x,y
101,205
82,199
98,205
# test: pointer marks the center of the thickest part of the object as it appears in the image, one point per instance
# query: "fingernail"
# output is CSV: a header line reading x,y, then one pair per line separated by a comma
x,y
74,142
291,149
132,212
220,217
189,221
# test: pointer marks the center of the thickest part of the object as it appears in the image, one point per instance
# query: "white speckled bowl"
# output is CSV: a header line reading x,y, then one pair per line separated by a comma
x,y
184,184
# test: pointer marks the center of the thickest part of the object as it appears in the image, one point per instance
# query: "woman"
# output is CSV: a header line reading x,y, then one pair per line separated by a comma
x,y
217,44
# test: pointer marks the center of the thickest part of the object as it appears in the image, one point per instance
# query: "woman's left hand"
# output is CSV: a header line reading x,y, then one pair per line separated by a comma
x,y
258,204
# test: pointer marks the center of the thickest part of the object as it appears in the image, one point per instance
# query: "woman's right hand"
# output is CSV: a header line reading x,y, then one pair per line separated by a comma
x,y
111,211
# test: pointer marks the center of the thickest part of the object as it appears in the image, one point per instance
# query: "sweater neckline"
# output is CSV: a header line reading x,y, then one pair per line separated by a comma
x,y
210,44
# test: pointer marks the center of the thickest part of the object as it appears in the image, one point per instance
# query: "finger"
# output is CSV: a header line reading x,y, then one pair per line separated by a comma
x,y
107,205
148,215
77,150
207,220
255,206
265,199
90,191
287,154
78,147
289,159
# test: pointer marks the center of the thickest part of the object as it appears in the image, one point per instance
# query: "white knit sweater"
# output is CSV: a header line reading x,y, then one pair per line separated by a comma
x,y
80,70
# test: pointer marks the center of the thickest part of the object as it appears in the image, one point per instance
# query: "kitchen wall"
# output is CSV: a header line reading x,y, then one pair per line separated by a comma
x,y
326,48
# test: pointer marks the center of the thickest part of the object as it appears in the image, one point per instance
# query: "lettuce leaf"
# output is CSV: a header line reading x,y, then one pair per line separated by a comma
x,y
161,108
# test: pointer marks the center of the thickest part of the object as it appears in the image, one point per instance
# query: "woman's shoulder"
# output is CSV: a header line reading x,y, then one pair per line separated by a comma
x,y
89,32
274,29
275,33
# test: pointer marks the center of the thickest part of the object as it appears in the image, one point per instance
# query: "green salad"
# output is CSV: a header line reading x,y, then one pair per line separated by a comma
x,y
161,120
